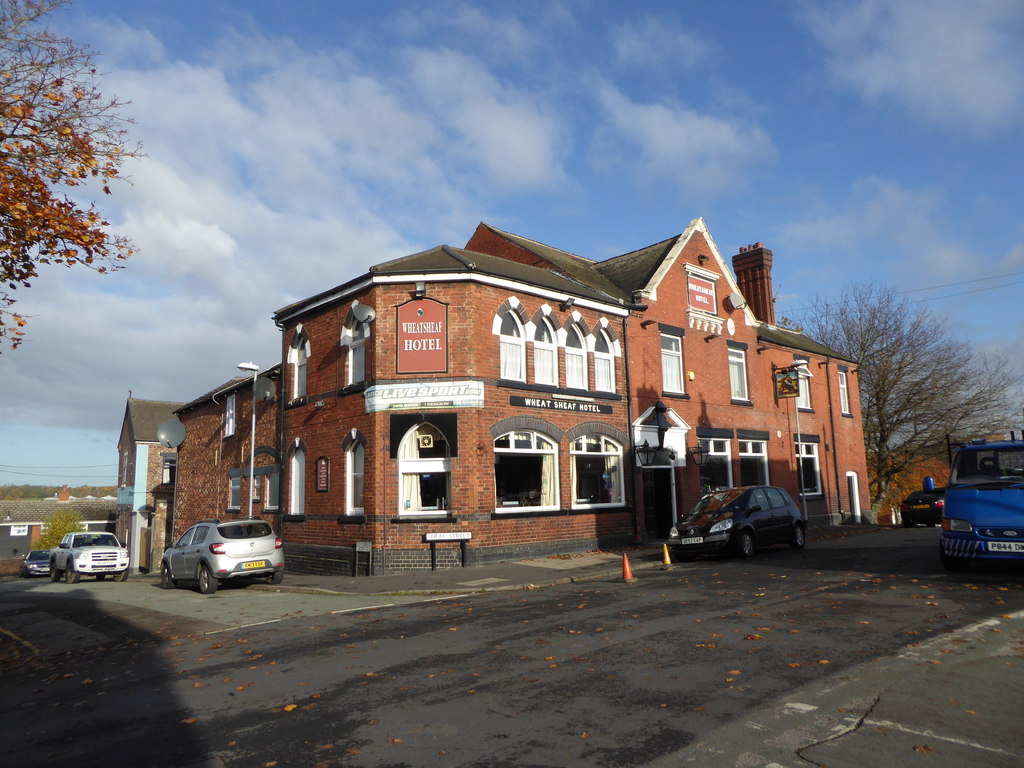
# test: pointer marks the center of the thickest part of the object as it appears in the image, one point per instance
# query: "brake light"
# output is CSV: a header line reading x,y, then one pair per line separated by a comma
x,y
277,543
940,503
217,549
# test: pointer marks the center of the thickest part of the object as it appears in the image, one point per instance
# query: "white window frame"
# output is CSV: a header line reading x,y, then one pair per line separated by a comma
x,y
410,466
808,452
534,443
844,393
297,486
803,398
611,453
756,450
298,357
358,334
512,353
273,480
604,362
230,415
355,474
575,359
19,530
720,451
738,375
545,354
672,364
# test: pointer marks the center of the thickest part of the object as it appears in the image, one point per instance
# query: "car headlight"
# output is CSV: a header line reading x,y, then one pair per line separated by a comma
x,y
673,532
722,525
953,524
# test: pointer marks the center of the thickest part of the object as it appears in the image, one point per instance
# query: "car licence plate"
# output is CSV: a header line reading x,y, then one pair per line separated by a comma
x,y
254,564
1006,546
692,540
919,506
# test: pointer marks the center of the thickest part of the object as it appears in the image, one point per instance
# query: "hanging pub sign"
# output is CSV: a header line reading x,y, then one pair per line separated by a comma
x,y
787,383
422,336
701,293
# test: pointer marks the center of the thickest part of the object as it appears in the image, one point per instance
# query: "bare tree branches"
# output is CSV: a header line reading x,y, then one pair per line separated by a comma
x,y
918,384
58,133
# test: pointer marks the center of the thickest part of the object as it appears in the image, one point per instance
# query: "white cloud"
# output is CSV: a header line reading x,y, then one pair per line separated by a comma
x,y
658,42
677,145
947,60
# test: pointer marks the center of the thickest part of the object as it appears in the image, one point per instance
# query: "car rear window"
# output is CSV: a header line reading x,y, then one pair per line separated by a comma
x,y
245,530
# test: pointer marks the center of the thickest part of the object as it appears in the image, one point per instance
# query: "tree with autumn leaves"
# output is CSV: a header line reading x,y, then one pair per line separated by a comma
x,y
61,142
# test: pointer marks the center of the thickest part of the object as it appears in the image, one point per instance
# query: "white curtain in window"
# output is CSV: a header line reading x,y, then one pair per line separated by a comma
x,y
410,480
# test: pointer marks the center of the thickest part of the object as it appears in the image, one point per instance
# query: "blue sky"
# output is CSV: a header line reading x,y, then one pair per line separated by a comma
x,y
292,145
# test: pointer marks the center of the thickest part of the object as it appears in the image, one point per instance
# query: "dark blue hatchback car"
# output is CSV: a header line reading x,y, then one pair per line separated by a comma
x,y
740,520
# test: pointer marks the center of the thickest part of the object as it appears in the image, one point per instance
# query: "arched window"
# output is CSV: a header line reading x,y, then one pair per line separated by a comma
x,y
575,360
604,363
513,348
354,458
357,333
424,468
596,471
298,355
545,360
525,472
297,495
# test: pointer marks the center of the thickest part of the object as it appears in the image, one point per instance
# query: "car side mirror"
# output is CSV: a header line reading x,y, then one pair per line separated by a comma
x,y
755,508
928,484
64,545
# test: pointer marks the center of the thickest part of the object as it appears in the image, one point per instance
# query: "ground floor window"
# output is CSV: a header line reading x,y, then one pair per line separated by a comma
x,y
717,472
810,473
425,470
236,493
525,471
354,479
753,462
596,470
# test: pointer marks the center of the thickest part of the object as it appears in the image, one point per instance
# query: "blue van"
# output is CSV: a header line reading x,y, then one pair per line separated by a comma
x,y
983,517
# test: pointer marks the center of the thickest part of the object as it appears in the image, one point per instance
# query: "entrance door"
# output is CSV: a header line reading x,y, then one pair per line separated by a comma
x,y
658,505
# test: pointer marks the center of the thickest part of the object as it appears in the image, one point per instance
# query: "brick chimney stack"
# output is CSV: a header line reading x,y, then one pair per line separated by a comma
x,y
753,269
64,494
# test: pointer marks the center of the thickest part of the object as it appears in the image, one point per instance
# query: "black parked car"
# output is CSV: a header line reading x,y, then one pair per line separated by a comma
x,y
35,563
923,507
740,520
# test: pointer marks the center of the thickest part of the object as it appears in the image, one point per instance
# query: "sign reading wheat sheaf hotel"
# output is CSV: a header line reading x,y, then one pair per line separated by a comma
x,y
702,294
425,395
422,333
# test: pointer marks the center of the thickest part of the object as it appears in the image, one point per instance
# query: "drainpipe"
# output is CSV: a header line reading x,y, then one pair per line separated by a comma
x,y
629,425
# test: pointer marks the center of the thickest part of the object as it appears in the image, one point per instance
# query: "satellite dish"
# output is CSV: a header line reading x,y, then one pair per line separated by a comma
x,y
363,313
265,389
736,300
171,433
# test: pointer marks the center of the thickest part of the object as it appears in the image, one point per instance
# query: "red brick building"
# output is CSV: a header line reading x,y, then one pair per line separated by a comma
x,y
511,399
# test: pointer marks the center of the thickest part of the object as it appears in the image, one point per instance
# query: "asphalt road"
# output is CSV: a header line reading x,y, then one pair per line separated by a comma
x,y
857,649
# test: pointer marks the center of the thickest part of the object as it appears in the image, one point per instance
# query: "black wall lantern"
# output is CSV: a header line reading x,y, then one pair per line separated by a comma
x,y
700,455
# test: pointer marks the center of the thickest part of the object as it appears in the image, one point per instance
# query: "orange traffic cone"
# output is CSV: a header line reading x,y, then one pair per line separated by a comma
x,y
627,572
666,561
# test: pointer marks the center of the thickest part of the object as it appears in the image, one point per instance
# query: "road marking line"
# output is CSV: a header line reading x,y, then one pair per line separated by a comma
x,y
23,641
242,626
933,735
364,608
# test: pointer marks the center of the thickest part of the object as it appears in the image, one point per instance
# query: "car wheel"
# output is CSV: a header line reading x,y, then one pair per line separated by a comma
x,y
799,538
54,573
121,575
954,563
745,544
166,581
908,523
71,576
207,583
276,577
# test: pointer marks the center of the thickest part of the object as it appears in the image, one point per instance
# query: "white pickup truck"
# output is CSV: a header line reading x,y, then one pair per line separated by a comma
x,y
90,554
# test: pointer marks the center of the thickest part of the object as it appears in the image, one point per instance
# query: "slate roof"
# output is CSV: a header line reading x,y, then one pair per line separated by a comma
x,y
229,386
633,271
787,338
35,511
148,415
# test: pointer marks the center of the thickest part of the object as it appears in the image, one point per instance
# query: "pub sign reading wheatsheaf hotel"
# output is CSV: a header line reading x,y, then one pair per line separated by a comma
x,y
510,399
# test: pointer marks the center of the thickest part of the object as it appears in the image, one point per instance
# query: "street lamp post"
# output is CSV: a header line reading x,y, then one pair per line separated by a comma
x,y
252,435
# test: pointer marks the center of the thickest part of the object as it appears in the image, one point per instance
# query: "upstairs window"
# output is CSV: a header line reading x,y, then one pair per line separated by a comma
x,y
298,355
513,349
357,352
229,416
604,363
844,393
545,359
738,374
575,360
803,400
671,363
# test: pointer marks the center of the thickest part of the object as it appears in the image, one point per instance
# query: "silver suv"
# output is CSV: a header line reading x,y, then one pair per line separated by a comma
x,y
212,551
